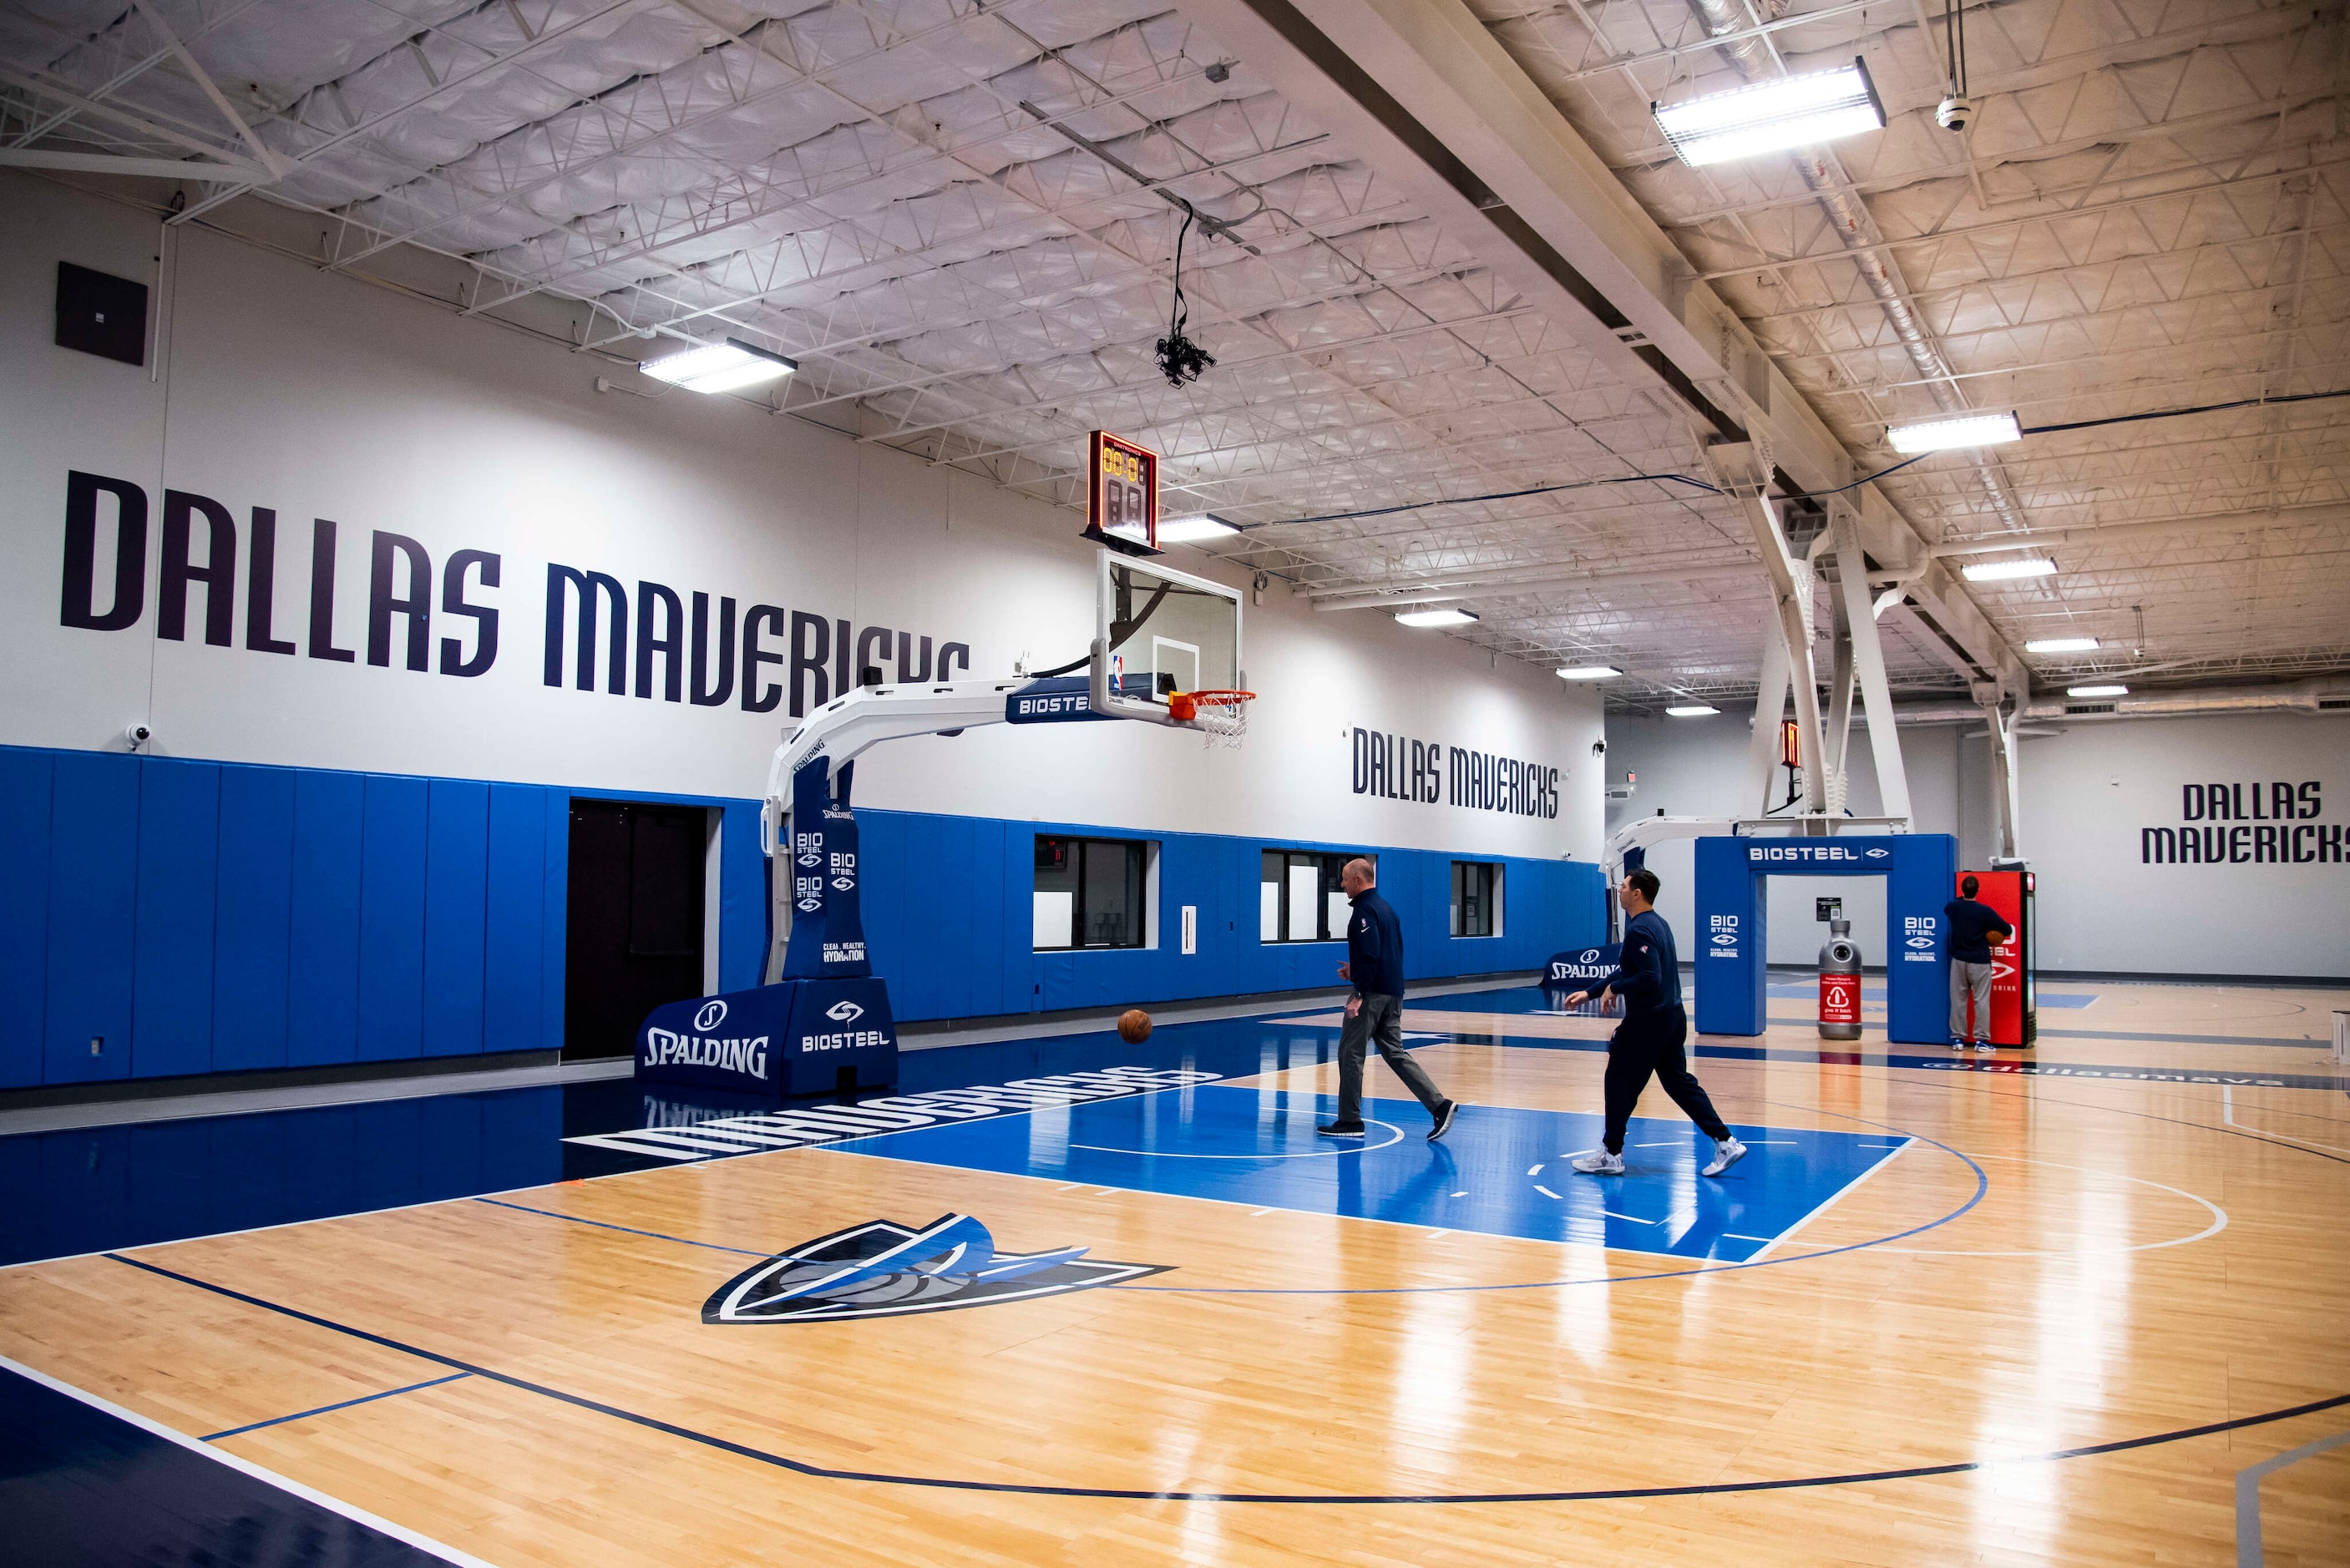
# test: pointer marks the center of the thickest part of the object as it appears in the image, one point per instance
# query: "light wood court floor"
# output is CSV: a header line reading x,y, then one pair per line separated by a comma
x,y
2053,1328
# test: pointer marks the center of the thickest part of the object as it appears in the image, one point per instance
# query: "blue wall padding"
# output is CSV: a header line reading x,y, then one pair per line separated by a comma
x,y
204,917
948,917
514,940
392,918
178,890
93,917
322,994
456,931
253,918
25,779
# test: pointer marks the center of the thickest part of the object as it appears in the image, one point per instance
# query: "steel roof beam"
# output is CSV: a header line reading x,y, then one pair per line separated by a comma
x,y
1423,91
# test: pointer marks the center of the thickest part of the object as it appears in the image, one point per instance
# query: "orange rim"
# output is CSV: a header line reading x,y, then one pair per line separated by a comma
x,y
1218,698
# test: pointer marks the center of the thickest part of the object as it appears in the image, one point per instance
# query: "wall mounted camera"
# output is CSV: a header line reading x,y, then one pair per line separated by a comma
x,y
137,736
1598,748
1953,112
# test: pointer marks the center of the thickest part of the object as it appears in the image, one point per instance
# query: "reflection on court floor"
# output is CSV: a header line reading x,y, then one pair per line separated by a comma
x,y
1501,1172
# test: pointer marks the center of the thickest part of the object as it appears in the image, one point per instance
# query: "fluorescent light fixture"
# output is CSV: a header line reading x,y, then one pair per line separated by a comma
x,y
1435,617
719,367
1191,530
1794,111
2096,691
1589,672
1693,711
2002,571
1949,435
2062,645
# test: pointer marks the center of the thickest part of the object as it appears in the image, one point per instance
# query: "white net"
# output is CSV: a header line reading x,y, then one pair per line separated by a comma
x,y
1222,716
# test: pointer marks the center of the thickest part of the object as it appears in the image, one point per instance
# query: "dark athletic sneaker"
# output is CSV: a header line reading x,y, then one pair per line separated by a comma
x,y
1341,1129
1443,1122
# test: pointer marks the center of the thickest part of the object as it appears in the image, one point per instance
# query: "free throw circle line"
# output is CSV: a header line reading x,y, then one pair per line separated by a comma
x,y
2219,1220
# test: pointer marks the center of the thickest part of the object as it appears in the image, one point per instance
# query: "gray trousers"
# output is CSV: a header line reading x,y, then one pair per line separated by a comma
x,y
1970,979
1380,1019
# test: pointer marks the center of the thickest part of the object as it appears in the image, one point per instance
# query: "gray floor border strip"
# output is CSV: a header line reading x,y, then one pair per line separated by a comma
x,y
231,1102
2248,1495
308,1096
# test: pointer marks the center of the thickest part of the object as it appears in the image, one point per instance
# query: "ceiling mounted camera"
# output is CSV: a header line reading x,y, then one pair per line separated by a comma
x,y
1953,112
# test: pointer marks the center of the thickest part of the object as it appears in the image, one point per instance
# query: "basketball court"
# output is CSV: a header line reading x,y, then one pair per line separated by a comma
x,y
1944,1310
1245,782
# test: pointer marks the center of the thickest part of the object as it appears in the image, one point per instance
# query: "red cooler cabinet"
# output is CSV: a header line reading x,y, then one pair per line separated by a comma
x,y
2014,995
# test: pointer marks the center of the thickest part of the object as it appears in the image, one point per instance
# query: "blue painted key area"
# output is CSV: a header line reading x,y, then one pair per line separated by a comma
x,y
1494,1174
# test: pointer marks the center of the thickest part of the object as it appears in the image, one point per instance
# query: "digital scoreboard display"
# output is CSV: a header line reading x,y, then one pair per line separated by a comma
x,y
1122,506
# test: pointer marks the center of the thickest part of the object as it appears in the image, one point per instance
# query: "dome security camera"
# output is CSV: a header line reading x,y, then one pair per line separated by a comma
x,y
138,736
1953,112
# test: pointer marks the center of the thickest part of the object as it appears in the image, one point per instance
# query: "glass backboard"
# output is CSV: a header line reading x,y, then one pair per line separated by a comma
x,y
1157,632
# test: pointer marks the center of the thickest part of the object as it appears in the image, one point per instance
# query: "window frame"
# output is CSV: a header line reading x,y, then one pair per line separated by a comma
x,y
1330,865
1144,870
1494,872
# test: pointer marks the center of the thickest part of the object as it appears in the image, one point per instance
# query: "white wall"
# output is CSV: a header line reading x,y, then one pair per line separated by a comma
x,y
2088,792
277,386
1697,767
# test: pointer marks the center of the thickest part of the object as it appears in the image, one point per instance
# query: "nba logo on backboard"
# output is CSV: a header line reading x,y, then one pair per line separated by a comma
x,y
1122,505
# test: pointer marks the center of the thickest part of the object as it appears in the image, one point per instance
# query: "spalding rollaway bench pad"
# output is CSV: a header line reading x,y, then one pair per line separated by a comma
x,y
791,1038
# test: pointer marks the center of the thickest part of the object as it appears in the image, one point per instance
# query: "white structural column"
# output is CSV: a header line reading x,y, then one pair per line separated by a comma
x,y
1860,661
1770,708
2006,795
1838,736
1791,585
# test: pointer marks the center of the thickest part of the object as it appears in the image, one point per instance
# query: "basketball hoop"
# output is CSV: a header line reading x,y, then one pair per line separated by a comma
x,y
1221,716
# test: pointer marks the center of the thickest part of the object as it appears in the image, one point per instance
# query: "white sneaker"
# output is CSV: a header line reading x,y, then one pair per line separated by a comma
x,y
1726,1153
1985,1045
1600,1162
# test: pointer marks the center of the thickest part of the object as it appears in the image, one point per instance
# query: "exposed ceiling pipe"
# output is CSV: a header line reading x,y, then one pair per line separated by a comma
x,y
2325,694
1508,586
1754,59
2096,532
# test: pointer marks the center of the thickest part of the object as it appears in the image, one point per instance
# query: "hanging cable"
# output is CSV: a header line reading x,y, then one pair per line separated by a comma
x,y
1179,359
2175,413
1494,495
1789,496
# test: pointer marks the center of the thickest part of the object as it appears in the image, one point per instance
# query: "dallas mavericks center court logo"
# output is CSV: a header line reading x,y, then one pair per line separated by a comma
x,y
882,1270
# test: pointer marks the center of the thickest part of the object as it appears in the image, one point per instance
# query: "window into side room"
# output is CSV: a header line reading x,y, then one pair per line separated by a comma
x,y
1476,898
1300,898
1092,892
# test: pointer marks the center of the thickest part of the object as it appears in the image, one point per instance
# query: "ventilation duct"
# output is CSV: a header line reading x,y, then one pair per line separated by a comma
x,y
2325,694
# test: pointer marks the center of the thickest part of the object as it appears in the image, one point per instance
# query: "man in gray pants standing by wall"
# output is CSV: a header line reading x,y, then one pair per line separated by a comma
x,y
1971,927
1374,967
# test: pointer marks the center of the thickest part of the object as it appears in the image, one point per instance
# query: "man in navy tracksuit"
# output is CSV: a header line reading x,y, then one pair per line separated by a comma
x,y
1648,977
1374,967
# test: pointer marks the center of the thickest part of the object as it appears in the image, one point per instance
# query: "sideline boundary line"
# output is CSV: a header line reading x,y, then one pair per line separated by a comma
x,y
1141,1494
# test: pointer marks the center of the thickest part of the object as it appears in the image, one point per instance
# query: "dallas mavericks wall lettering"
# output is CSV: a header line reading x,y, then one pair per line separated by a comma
x,y
1430,773
2246,824
680,655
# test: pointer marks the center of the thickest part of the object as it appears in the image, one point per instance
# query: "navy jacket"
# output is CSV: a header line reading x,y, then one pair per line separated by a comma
x,y
1375,947
1972,923
1649,973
